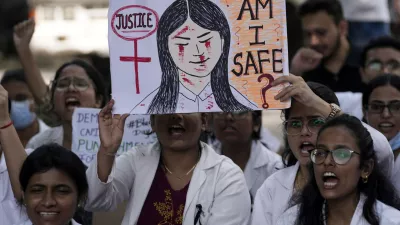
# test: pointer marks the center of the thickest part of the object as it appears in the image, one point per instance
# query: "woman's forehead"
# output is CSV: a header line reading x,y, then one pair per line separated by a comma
x,y
73,71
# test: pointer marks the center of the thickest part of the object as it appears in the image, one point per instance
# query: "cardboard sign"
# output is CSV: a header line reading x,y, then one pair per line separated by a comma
x,y
182,56
86,139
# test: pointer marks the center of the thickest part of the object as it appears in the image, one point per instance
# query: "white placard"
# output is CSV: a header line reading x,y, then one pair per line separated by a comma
x,y
183,56
85,133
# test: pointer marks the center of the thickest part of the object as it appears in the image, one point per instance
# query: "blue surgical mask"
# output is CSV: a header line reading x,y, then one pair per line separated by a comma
x,y
21,114
395,142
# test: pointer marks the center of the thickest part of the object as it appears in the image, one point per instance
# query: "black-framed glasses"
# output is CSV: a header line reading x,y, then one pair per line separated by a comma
x,y
235,115
341,156
379,66
378,107
79,84
295,126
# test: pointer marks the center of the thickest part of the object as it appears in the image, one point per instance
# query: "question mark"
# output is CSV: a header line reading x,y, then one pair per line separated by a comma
x,y
276,29
265,88
245,86
238,29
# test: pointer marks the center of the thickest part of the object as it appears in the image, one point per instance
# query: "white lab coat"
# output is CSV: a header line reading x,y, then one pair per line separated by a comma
x,y
262,164
396,175
217,184
351,103
273,197
387,215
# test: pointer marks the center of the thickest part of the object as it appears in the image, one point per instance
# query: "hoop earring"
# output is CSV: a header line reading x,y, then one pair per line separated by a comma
x,y
365,179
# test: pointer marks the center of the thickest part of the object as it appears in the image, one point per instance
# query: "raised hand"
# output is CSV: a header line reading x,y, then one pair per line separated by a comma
x,y
306,59
4,114
298,90
111,128
23,33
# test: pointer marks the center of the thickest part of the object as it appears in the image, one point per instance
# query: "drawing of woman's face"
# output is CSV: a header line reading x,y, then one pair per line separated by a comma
x,y
195,50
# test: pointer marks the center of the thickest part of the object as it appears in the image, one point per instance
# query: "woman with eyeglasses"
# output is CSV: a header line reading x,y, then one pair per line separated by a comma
x,y
239,134
76,84
381,101
312,105
346,184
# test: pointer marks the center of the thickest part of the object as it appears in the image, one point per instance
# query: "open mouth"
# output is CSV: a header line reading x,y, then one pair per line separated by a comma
x,y
72,103
229,128
48,215
330,180
305,148
176,130
386,125
200,62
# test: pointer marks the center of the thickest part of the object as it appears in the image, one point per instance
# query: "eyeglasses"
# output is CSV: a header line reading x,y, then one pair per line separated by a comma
x,y
295,126
341,155
78,83
235,115
377,108
380,66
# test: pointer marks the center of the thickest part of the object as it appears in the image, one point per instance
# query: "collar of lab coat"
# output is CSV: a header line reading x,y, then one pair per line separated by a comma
x,y
151,156
288,177
204,94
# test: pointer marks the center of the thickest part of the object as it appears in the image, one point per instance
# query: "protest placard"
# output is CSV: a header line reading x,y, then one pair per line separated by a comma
x,y
86,139
182,56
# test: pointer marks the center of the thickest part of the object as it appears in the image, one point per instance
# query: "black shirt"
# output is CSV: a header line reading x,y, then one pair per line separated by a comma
x,y
348,78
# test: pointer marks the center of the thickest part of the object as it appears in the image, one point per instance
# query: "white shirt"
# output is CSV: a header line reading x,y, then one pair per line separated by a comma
x,y
387,215
396,174
217,184
189,102
10,211
28,222
262,163
51,135
366,10
273,196
42,126
351,103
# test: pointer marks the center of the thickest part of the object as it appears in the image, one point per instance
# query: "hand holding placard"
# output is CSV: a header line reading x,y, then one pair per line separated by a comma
x,y
111,128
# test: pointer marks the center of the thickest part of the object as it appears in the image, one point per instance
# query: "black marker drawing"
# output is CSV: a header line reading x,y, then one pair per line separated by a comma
x,y
193,40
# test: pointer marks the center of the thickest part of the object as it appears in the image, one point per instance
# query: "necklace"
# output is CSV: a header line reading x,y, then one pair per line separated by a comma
x,y
179,178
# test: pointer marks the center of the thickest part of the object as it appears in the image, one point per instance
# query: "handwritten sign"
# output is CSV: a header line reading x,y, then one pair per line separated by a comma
x,y
86,139
182,56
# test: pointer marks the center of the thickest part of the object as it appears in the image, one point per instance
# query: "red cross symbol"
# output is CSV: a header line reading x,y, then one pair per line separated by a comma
x,y
136,60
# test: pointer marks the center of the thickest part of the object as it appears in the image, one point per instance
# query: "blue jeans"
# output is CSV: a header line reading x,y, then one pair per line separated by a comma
x,y
360,33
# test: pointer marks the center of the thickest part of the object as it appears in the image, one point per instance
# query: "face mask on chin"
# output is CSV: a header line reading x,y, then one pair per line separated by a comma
x,y
21,115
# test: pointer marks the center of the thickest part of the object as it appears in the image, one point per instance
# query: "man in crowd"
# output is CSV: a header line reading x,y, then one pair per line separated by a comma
x,y
381,55
324,57
22,105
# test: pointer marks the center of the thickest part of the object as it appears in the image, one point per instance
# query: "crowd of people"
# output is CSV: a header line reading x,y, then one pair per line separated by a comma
x,y
339,163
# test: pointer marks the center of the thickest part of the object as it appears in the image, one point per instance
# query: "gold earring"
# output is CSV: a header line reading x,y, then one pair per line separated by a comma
x,y
365,179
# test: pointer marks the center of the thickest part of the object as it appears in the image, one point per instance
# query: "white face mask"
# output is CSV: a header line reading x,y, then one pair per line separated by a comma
x,y
21,115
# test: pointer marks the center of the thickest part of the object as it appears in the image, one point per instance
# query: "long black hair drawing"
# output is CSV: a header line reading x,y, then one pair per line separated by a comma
x,y
209,16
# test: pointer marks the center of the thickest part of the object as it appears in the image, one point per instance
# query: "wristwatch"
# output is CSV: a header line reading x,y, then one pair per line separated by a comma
x,y
335,109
